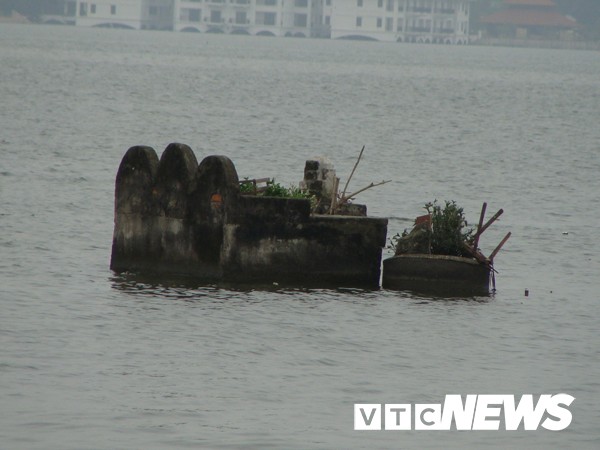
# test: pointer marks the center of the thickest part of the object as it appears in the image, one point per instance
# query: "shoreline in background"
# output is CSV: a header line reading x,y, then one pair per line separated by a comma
x,y
19,19
538,43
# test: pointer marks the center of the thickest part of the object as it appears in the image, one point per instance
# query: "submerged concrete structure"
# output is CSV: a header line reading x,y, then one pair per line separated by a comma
x,y
175,216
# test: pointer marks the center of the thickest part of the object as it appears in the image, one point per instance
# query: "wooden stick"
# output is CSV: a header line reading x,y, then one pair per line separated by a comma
x,y
336,185
353,169
497,249
489,222
478,233
372,185
476,254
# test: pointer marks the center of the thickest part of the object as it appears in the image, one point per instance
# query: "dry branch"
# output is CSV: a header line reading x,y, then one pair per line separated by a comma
x,y
344,199
353,169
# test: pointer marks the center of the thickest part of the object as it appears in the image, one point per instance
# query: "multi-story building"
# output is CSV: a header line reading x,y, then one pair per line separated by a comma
x,y
300,18
136,14
423,21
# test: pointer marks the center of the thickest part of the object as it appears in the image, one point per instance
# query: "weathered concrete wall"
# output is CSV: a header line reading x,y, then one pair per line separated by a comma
x,y
425,272
175,216
321,182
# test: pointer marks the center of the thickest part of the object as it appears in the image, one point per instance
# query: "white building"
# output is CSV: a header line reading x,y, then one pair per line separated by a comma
x,y
136,14
300,18
423,21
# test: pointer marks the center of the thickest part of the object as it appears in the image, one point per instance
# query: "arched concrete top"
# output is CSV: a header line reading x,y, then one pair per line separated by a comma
x,y
174,180
217,189
217,174
266,33
177,163
135,179
138,160
357,37
119,25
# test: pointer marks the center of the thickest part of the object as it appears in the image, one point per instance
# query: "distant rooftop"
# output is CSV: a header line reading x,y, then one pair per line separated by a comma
x,y
533,13
530,18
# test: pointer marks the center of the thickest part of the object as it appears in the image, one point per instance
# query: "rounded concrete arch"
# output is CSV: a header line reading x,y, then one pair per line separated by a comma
x,y
53,22
135,178
175,177
116,25
190,30
357,37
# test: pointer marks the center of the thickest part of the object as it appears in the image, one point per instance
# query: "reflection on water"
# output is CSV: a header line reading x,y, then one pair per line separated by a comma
x,y
187,288
157,283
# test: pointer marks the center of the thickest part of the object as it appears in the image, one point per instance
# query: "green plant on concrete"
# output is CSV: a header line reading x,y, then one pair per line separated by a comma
x,y
276,190
273,189
448,231
393,241
247,186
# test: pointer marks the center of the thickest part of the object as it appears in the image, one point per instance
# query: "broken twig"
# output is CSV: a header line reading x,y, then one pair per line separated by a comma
x,y
489,222
353,169
344,199
497,249
334,196
478,232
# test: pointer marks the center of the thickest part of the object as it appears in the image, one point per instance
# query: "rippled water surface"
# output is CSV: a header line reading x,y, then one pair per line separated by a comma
x,y
89,359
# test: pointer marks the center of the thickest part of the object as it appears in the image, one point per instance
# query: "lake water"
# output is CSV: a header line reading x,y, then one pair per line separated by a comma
x,y
89,359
